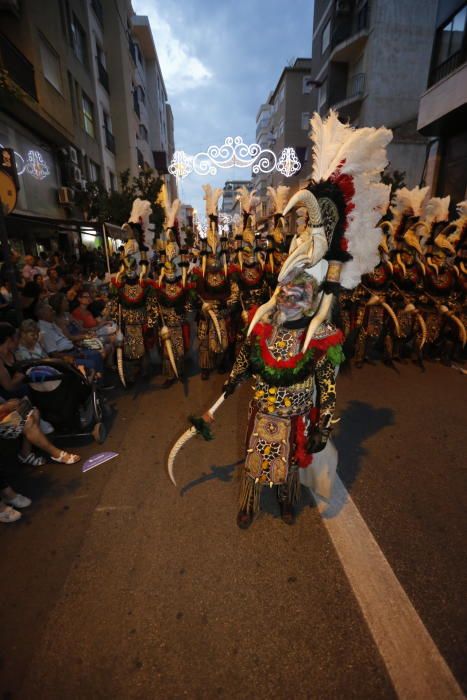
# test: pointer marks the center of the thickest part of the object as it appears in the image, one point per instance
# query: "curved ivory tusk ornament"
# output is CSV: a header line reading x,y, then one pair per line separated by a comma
x,y
165,336
187,435
121,372
393,316
203,265
263,310
215,321
307,199
421,322
184,277
401,264
460,326
320,316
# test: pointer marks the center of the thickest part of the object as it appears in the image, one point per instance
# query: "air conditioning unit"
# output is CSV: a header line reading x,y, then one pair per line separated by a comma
x,y
65,195
73,155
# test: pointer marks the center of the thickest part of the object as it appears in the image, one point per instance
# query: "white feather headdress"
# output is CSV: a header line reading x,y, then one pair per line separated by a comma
x,y
279,196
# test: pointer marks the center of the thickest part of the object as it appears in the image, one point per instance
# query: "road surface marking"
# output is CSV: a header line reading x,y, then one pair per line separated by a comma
x,y
414,664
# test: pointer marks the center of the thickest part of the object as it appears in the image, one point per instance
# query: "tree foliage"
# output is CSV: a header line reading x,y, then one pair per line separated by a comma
x,y
98,204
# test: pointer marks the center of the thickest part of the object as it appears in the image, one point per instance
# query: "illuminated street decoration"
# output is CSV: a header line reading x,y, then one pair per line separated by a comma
x,y
234,153
288,163
36,165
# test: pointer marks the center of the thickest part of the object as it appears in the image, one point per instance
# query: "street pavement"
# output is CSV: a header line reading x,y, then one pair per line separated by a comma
x,y
117,585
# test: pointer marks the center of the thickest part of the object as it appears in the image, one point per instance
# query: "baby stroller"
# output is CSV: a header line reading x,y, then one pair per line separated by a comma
x,y
66,398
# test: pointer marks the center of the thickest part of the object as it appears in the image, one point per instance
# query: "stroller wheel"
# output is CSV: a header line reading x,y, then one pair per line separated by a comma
x,y
99,433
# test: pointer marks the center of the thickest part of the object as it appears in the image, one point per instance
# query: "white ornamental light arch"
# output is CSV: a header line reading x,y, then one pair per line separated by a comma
x,y
234,153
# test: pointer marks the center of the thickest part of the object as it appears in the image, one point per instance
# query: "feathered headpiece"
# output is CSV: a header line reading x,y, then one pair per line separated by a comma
x,y
170,222
211,198
435,213
344,203
278,198
406,210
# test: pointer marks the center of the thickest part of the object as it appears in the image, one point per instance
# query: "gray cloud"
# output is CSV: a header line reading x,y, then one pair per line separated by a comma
x,y
220,60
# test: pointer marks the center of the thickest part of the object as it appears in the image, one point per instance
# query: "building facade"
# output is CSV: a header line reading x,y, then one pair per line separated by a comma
x,y
370,63
443,106
283,122
81,99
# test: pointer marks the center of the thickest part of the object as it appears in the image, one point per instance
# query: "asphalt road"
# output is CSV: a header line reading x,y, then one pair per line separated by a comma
x,y
117,585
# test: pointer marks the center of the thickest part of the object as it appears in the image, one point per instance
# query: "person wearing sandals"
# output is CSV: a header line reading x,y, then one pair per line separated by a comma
x,y
11,502
19,418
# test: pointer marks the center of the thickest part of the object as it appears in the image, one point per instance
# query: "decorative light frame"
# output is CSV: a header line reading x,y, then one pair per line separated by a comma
x,y
234,153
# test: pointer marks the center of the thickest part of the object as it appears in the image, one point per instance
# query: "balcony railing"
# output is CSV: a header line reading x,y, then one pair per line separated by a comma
x,y
447,67
109,140
356,86
103,76
98,11
20,70
346,29
136,104
132,49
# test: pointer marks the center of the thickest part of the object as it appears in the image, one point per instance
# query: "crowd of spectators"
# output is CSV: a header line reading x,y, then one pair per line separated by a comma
x,y
62,303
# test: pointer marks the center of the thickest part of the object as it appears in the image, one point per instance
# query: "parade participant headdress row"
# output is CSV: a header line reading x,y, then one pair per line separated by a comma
x,y
169,246
404,226
434,217
344,202
245,240
211,197
278,198
135,246
457,235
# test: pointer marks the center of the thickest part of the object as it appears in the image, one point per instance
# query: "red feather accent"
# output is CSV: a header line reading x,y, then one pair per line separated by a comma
x,y
301,456
346,186
263,332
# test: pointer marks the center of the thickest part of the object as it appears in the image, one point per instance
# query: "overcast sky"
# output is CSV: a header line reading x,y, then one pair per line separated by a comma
x,y
220,59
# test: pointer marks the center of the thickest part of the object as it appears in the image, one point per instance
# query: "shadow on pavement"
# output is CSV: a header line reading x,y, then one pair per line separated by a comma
x,y
358,423
224,473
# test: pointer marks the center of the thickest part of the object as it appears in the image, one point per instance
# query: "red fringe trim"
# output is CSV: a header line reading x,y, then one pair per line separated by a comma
x,y
263,331
301,456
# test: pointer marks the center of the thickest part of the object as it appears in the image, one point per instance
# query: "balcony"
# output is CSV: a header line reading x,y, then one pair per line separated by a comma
x,y
447,67
132,49
20,70
349,36
109,140
349,105
136,104
103,76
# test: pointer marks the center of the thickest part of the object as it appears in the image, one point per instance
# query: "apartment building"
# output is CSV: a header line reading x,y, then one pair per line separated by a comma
x,y
283,121
371,60
82,99
443,106
230,199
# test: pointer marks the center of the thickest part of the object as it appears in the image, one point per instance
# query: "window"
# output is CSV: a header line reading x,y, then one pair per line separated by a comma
x,y
71,88
326,37
78,40
143,132
322,95
449,50
88,114
305,120
112,181
94,172
141,95
50,64
306,85
281,94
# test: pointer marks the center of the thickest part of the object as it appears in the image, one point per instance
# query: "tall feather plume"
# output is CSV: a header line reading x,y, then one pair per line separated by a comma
x,y
418,197
327,136
272,198
171,213
435,210
360,154
363,235
282,197
211,198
